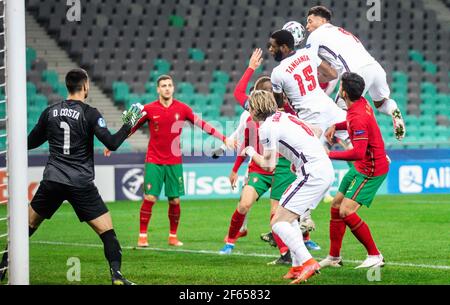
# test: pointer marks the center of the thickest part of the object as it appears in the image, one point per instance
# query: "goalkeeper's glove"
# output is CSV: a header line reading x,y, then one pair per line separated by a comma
x,y
399,124
131,116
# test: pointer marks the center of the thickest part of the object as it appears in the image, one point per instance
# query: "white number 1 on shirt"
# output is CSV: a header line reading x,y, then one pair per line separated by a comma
x,y
66,147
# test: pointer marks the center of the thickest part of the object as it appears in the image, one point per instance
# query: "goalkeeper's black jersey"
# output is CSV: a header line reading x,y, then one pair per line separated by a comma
x,y
69,127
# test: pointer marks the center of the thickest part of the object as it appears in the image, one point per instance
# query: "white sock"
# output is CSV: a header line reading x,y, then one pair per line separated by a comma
x,y
295,261
293,238
388,107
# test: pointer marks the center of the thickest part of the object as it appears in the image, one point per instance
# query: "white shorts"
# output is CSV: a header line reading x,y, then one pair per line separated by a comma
x,y
306,192
375,83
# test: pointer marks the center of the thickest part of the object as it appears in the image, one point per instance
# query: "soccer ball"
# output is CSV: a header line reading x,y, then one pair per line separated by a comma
x,y
297,30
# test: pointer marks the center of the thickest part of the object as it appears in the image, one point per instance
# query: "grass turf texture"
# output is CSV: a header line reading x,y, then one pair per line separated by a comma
x,y
409,230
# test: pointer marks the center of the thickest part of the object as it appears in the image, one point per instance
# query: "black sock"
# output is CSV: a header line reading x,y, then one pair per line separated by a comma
x,y
113,252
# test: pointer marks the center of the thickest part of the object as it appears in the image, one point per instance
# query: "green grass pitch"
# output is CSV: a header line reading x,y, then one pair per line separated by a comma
x,y
411,231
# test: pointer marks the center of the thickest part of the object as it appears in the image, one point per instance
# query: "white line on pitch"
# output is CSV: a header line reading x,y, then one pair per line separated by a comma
x,y
217,253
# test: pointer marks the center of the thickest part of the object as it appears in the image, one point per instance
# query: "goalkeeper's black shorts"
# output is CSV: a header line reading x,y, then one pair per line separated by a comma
x,y
86,201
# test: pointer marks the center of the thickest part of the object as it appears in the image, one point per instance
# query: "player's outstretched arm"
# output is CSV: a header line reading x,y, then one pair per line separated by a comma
x,y
240,93
206,127
356,153
38,135
217,153
113,141
267,162
237,135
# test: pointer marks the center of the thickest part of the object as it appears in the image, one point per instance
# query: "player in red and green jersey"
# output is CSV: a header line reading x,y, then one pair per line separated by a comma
x,y
163,163
362,181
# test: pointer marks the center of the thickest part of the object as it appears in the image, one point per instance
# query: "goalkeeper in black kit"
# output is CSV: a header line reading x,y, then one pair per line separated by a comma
x,y
69,127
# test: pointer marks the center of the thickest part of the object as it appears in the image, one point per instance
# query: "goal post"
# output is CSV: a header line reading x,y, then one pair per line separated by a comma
x,y
17,156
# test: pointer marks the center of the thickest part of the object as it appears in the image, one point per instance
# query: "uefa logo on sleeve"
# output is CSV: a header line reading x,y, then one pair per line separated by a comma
x,y
410,179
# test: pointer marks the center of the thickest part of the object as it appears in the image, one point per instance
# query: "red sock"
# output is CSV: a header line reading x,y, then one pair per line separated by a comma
x,y
362,233
236,223
306,236
280,244
145,215
174,217
337,231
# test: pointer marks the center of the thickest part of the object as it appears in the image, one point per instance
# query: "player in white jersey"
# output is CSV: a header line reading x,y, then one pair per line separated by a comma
x,y
296,77
298,32
314,172
237,135
346,53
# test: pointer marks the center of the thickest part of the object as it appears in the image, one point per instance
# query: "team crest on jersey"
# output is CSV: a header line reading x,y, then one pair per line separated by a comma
x,y
101,122
177,116
308,46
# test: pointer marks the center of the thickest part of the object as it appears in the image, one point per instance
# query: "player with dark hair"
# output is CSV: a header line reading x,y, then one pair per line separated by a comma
x,y
360,184
297,77
69,127
346,53
163,164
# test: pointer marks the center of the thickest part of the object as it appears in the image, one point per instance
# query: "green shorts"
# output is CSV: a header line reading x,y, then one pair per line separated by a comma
x,y
359,187
170,175
281,179
261,183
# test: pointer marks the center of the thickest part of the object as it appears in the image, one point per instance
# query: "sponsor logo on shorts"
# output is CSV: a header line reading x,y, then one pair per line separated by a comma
x,y
358,132
255,179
